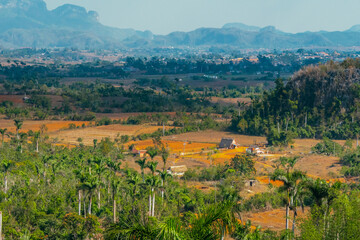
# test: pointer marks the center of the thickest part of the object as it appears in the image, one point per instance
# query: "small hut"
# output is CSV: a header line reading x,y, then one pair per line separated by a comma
x,y
228,143
139,153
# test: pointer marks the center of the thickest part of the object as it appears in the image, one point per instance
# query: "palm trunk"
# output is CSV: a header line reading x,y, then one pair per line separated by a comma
x,y
5,183
222,233
99,198
153,203
37,146
287,217
294,222
150,204
90,203
79,202
162,191
84,201
114,208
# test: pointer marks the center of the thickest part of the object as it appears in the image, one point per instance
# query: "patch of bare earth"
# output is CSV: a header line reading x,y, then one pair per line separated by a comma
x,y
272,219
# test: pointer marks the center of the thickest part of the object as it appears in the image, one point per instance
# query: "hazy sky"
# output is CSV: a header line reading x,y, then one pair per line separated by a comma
x,y
164,16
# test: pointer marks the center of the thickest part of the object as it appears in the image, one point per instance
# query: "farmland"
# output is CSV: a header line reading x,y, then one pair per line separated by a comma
x,y
192,149
123,146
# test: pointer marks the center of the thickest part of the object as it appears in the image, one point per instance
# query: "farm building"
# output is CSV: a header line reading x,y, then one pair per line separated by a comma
x,y
177,170
139,153
228,143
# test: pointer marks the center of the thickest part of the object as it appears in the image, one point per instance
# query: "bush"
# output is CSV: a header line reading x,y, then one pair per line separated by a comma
x,y
328,147
274,138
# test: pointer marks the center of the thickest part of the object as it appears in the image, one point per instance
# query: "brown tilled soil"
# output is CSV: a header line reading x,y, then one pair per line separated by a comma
x,y
273,219
326,167
52,125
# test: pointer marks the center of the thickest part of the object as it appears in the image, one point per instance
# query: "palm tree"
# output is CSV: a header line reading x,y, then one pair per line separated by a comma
x,y
36,137
296,200
115,186
164,156
114,183
55,164
132,228
153,183
152,152
114,167
143,165
3,132
6,166
22,140
45,160
152,166
293,188
163,176
134,180
172,229
90,184
241,105
99,169
81,175
213,223
18,124
323,194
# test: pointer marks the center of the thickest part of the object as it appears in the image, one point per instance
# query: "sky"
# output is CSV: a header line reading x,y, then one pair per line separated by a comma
x,y
165,16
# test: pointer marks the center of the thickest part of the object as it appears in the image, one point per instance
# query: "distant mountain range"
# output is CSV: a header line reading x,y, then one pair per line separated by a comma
x,y
28,23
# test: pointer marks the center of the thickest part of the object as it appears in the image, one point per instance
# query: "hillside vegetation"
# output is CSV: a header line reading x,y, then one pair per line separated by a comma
x,y
318,101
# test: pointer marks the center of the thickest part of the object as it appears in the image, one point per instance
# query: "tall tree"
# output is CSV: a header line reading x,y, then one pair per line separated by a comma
x,y
6,167
143,165
153,183
293,185
152,152
164,175
3,133
164,156
18,124
115,186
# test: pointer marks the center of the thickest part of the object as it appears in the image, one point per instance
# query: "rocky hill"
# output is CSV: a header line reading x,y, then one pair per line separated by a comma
x,y
28,23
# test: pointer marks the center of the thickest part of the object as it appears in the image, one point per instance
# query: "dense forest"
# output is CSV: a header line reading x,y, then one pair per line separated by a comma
x,y
318,101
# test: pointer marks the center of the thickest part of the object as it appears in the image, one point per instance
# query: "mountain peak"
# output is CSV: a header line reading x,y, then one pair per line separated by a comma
x,y
75,13
242,26
355,28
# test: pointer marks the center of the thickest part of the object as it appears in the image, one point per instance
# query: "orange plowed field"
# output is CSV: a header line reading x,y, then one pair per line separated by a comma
x,y
52,126
176,146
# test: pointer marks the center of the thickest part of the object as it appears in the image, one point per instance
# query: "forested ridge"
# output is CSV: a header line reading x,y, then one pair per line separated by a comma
x,y
318,101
